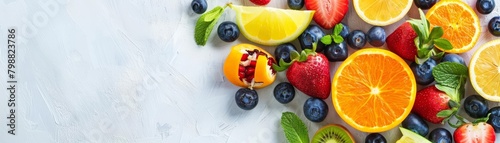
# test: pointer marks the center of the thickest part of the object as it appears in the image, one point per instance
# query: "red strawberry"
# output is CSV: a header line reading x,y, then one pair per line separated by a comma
x,y
328,12
474,133
312,76
260,2
402,42
429,102
309,72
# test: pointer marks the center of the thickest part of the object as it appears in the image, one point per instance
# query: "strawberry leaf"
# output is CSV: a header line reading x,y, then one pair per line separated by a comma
x,y
327,39
445,113
303,56
443,44
484,119
436,33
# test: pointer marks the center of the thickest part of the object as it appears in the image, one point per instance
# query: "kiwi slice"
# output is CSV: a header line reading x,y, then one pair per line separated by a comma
x,y
332,134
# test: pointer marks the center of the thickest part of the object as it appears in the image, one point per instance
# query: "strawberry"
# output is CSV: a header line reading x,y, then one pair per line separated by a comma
x,y
416,40
328,12
474,133
430,101
401,42
260,2
309,72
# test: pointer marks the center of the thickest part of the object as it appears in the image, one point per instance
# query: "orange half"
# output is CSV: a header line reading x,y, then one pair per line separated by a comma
x,y
460,24
373,90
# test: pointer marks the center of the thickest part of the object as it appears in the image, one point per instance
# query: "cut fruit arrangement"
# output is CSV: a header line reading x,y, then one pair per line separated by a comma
x,y
381,79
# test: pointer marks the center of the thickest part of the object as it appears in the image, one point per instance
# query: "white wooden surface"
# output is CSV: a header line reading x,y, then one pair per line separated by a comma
x,y
130,71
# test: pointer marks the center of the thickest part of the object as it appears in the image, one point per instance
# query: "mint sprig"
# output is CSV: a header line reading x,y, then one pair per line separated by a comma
x,y
427,39
334,37
295,130
206,23
450,78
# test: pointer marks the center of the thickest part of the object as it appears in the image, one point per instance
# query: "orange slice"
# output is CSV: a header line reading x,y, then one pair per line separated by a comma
x,y
460,24
373,90
484,70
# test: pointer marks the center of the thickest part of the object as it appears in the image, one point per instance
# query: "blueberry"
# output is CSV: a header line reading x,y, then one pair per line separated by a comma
x,y
312,34
228,31
424,4
423,72
246,98
494,26
494,119
315,109
345,31
356,39
199,6
375,138
336,52
296,4
283,52
453,58
485,6
376,36
440,135
415,123
284,92
476,106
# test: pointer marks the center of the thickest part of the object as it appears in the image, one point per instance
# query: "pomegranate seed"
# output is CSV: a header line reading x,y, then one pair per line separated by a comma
x,y
249,78
244,57
253,63
241,68
250,71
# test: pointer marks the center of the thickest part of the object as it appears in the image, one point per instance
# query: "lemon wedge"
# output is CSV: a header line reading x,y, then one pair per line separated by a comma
x,y
271,26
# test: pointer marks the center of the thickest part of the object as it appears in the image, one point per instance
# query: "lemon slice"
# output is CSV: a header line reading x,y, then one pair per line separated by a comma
x,y
271,26
411,137
382,12
484,70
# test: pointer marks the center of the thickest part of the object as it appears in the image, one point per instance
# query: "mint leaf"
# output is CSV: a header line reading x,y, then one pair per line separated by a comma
x,y
327,39
338,28
443,44
205,24
338,39
295,130
450,78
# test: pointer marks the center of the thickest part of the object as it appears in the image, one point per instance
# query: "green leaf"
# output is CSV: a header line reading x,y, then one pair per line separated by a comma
x,y
327,39
338,39
436,33
338,28
295,130
205,25
419,29
443,44
453,104
303,55
294,55
425,24
450,78
445,113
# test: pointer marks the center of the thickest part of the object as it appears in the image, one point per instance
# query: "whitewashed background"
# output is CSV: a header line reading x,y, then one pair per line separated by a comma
x,y
130,71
